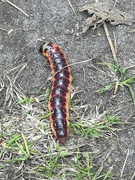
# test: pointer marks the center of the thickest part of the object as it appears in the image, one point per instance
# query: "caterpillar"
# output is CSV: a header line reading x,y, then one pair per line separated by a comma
x,y
61,81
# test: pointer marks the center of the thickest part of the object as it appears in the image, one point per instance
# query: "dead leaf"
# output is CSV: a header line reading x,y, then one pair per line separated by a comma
x,y
105,11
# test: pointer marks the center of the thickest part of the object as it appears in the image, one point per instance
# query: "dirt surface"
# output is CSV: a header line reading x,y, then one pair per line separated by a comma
x,y
24,72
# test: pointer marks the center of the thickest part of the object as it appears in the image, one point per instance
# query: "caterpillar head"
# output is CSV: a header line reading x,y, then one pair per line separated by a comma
x,y
45,47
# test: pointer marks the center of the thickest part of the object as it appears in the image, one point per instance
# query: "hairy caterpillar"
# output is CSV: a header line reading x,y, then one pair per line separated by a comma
x,y
61,81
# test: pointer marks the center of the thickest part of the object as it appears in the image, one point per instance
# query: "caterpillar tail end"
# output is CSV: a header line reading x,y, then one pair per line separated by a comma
x,y
62,140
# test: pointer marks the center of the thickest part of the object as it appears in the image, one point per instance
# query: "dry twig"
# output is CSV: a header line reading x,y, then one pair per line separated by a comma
x,y
121,174
72,8
15,6
110,41
8,31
